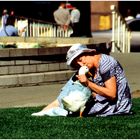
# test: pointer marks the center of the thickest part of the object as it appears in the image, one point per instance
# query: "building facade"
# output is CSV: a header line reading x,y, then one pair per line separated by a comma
x,y
101,14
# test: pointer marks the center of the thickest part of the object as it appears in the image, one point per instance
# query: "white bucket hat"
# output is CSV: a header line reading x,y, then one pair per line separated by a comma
x,y
75,51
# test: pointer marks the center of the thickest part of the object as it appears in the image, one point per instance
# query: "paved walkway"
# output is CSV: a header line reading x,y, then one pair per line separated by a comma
x,y
44,94
28,96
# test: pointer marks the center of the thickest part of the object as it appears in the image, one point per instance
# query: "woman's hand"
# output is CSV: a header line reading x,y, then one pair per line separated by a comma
x,y
83,79
94,94
108,91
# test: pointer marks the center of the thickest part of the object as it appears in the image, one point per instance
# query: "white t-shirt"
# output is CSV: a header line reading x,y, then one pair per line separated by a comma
x,y
75,16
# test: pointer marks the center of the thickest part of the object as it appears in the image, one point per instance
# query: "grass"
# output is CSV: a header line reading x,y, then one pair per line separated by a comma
x,y
17,123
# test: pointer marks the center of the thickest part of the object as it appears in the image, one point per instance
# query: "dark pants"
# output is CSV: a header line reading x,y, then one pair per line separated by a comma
x,y
76,30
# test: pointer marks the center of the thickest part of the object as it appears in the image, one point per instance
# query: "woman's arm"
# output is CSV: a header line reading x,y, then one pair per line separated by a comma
x,y
108,91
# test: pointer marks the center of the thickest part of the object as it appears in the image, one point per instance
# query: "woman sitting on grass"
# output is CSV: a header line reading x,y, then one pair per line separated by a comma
x,y
110,89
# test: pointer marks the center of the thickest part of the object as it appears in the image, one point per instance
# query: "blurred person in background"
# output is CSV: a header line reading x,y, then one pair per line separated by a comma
x,y
4,18
9,28
129,15
62,16
75,20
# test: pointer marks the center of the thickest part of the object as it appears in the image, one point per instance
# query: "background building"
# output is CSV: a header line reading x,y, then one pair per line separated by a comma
x,y
95,15
101,14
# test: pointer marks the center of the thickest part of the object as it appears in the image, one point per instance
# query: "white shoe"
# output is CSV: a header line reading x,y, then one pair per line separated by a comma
x,y
41,113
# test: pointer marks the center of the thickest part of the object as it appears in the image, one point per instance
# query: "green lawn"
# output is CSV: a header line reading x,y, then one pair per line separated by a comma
x,y
17,123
